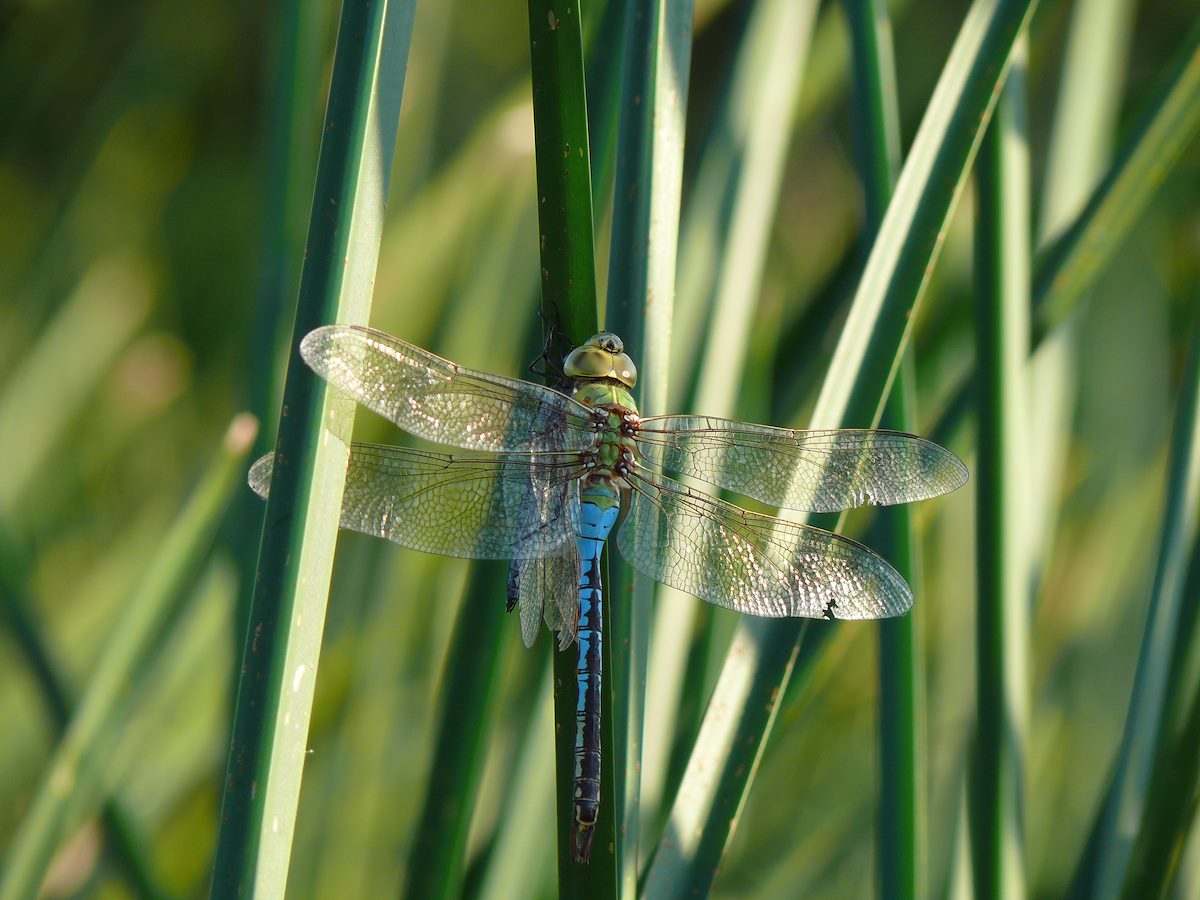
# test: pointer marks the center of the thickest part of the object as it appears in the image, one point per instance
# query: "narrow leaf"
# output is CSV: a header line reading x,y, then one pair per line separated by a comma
x,y
1125,809
73,784
1075,260
641,295
569,308
283,640
742,709
1002,287
436,861
16,607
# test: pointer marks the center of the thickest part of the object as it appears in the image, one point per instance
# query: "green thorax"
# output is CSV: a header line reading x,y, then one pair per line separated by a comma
x,y
603,375
604,392
600,486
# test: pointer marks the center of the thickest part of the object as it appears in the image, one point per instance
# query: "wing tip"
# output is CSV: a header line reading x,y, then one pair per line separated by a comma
x,y
313,344
259,476
950,460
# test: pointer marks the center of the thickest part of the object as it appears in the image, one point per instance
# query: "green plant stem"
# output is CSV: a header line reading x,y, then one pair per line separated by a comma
x,y
901,822
283,640
1074,261
733,203
128,845
436,861
723,255
744,703
605,57
563,169
900,841
1126,809
521,853
1002,287
641,293
569,304
876,107
1174,794
1069,267
288,160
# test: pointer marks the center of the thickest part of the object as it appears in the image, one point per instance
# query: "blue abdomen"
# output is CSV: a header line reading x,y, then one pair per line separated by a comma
x,y
597,516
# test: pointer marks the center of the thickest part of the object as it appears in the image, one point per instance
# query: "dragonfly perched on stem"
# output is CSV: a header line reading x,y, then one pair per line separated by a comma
x,y
552,473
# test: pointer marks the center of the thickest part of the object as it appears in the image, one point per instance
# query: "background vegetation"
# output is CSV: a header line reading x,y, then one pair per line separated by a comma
x,y
151,226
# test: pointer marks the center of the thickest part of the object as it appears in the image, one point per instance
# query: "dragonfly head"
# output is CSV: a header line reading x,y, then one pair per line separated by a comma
x,y
601,356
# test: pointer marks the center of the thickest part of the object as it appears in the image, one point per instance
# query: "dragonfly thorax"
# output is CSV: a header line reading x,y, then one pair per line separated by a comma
x,y
616,418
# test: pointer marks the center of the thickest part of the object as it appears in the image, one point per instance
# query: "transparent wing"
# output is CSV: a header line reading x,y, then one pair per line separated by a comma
x,y
435,399
479,507
818,471
547,587
753,563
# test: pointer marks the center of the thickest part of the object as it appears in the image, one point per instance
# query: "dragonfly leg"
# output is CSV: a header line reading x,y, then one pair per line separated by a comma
x,y
513,588
548,365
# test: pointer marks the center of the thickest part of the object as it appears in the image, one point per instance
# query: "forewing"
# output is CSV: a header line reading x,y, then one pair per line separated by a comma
x,y
753,563
435,399
478,507
818,471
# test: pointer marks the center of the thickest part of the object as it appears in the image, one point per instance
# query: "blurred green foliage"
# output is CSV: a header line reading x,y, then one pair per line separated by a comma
x,y
134,173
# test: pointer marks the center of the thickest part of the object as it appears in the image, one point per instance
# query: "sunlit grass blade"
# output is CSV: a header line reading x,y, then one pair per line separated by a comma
x,y
744,704
17,609
1078,257
491,310
569,307
350,785
996,800
605,57
732,204
436,860
290,156
1079,153
73,783
283,641
1069,267
900,837
521,855
764,87
53,381
876,108
1126,809
958,880
640,306
293,112
1086,109
911,234
1171,803
1078,156
725,239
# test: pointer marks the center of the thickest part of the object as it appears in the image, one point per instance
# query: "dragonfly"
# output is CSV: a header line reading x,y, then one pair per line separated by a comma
x,y
550,473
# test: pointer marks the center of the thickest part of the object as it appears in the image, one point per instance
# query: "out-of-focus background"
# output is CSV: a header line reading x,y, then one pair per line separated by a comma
x,y
141,248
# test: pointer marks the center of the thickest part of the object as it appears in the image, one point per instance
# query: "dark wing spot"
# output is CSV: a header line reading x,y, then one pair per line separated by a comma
x,y
513,591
